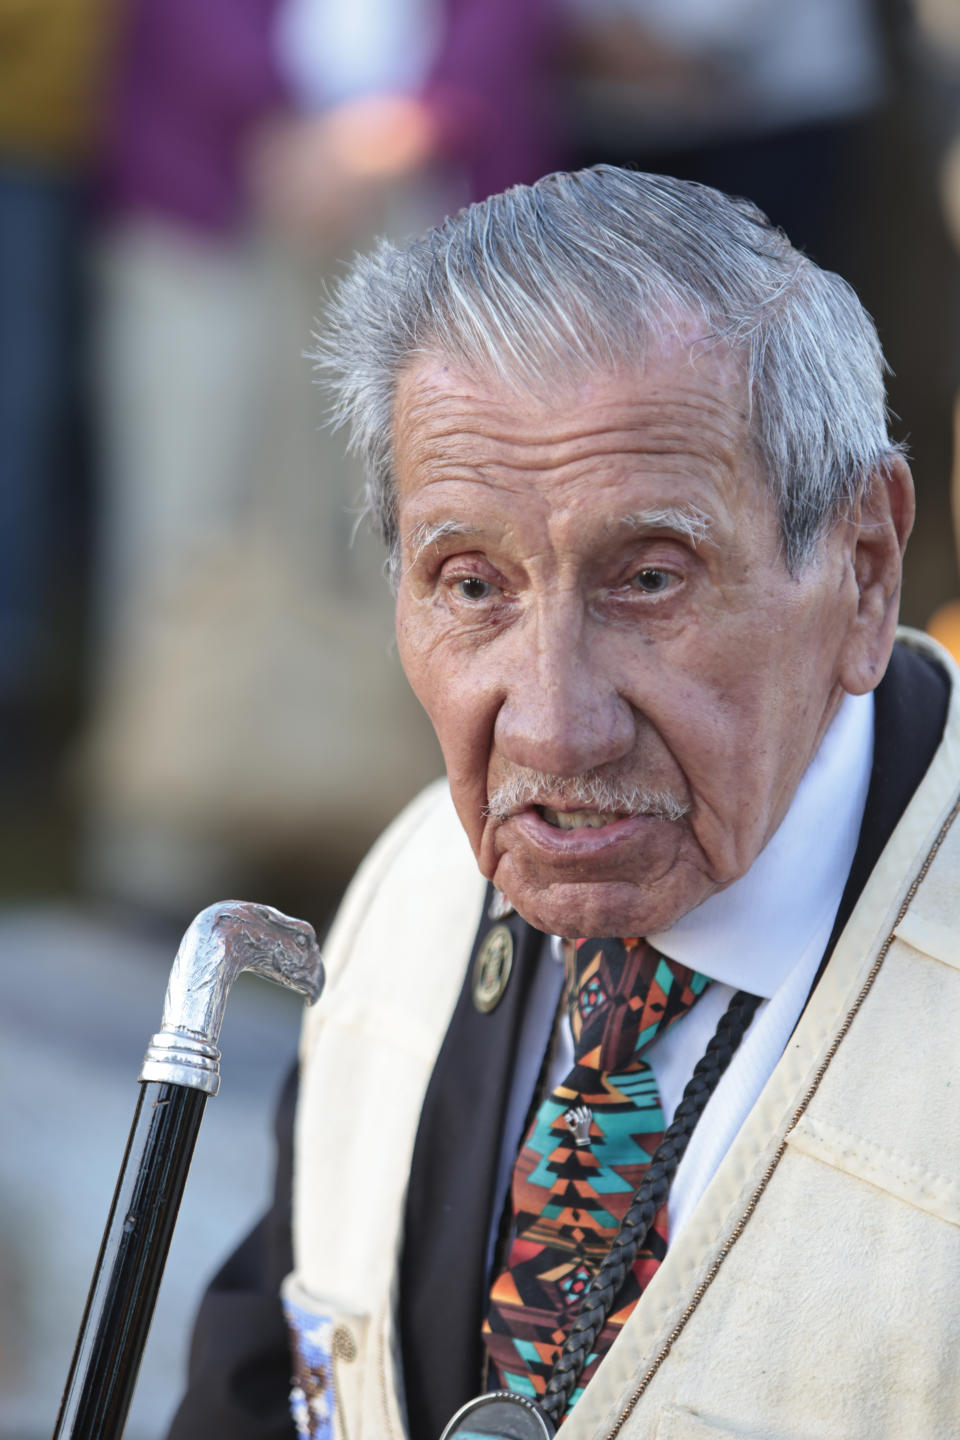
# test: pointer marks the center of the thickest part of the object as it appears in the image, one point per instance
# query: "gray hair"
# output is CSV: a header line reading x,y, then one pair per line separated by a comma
x,y
584,269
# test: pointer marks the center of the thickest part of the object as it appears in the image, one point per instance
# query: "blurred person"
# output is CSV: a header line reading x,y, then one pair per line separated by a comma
x,y
632,1094
248,147
178,328
189,84
51,52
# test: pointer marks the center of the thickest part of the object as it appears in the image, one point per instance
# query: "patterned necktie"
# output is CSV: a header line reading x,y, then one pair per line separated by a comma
x,y
583,1158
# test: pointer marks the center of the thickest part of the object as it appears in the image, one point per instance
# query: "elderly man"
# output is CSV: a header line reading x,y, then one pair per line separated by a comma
x,y
629,454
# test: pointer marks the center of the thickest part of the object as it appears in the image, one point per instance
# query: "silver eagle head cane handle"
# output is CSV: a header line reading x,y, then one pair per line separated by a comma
x,y
223,940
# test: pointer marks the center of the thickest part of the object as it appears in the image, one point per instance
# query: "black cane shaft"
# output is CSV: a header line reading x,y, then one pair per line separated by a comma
x,y
124,1288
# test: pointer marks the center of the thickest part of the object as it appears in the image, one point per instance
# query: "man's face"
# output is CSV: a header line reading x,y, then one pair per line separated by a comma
x,y
592,586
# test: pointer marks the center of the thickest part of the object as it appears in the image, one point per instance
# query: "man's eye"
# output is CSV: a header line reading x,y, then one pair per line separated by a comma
x,y
471,587
651,581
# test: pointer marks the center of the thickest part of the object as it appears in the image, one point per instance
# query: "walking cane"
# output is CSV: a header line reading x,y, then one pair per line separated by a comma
x,y
181,1068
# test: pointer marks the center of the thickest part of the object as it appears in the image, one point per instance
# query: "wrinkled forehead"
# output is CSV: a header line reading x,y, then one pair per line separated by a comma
x,y
445,406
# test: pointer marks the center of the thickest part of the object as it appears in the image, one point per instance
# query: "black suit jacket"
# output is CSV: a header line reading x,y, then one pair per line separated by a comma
x,y
239,1369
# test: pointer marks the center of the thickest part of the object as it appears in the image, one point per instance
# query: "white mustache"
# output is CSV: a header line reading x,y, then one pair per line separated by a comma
x,y
589,791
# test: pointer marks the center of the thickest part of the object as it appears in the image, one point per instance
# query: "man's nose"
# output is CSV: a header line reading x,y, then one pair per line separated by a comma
x,y
561,713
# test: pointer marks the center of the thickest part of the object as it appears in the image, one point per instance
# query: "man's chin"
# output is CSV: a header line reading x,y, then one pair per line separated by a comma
x,y
577,908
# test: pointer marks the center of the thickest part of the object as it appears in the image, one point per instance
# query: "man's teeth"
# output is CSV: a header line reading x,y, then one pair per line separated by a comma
x,y
575,819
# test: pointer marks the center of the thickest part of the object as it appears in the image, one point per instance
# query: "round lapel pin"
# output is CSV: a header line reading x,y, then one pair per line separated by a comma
x,y
491,969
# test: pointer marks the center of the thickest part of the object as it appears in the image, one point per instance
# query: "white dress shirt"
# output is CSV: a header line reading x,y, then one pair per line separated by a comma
x,y
766,934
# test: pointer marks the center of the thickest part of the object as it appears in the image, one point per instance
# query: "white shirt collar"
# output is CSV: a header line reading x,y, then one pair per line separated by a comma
x,y
751,935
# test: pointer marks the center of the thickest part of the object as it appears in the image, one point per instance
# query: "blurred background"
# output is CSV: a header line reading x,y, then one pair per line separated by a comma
x,y
199,694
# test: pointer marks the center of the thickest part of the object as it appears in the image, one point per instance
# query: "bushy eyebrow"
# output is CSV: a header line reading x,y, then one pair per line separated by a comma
x,y
428,533
688,520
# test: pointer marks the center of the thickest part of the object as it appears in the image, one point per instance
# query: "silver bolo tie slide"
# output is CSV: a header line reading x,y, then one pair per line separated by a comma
x,y
501,1415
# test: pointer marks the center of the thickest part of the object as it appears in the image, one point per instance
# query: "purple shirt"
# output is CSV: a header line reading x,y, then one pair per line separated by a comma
x,y
191,78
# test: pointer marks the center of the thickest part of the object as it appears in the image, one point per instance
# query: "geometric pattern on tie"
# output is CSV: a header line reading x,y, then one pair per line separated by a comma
x,y
568,1199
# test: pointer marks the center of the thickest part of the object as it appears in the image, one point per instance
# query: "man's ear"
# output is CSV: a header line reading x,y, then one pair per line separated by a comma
x,y
881,530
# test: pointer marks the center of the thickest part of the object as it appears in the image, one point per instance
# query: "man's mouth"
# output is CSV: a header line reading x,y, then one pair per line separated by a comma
x,y
577,819
589,801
